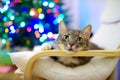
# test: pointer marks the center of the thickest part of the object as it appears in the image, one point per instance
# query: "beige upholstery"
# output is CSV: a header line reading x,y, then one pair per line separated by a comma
x,y
30,63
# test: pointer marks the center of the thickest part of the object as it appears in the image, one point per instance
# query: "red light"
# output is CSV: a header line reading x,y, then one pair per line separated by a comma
x,y
48,11
56,1
29,29
18,30
32,9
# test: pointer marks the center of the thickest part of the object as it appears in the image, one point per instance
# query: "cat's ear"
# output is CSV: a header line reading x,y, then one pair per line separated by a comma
x,y
62,26
87,31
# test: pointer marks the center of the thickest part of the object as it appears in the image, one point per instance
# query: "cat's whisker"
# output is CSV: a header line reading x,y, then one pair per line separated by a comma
x,y
72,41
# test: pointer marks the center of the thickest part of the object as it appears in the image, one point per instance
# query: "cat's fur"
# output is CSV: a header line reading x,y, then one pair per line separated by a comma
x,y
71,41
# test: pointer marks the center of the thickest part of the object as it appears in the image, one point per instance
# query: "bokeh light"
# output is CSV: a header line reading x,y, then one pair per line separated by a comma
x,y
41,16
32,13
6,30
22,24
45,3
48,11
50,34
41,30
3,41
39,10
8,2
38,19
12,17
51,5
29,29
56,1
11,27
5,19
36,26
37,34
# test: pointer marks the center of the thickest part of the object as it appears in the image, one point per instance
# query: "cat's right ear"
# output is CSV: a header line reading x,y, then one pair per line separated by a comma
x,y
62,26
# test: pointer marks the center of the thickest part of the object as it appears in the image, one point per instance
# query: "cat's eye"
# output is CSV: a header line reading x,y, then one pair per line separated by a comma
x,y
66,37
79,39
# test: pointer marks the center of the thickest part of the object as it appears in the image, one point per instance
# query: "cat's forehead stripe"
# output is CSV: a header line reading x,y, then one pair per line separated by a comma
x,y
74,32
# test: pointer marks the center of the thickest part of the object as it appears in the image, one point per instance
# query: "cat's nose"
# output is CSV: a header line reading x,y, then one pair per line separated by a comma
x,y
71,44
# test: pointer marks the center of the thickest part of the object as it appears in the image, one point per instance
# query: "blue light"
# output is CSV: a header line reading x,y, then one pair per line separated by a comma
x,y
32,13
10,39
3,41
58,19
12,17
11,27
13,31
22,24
51,5
5,7
44,36
55,21
41,30
5,19
7,2
50,34
40,25
61,16
41,16
24,9
1,10
36,26
45,3
41,39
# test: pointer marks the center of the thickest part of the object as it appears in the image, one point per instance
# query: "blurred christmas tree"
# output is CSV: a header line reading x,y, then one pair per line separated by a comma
x,y
30,22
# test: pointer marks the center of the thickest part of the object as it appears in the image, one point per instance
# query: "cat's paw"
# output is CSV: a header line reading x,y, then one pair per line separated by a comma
x,y
45,46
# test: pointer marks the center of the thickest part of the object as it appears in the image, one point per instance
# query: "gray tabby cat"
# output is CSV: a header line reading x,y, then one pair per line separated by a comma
x,y
71,41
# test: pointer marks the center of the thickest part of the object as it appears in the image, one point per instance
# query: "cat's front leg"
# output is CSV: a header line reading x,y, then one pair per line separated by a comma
x,y
45,46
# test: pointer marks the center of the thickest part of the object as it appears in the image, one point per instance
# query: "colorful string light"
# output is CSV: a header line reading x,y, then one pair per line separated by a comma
x,y
39,20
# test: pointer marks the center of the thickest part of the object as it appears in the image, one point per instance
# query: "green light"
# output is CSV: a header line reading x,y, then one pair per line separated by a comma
x,y
9,15
5,36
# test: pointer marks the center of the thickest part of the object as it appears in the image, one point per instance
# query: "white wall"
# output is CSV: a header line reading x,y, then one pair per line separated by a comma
x,y
84,12
73,6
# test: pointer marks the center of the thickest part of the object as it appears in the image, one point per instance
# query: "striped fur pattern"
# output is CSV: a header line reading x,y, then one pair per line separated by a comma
x,y
72,41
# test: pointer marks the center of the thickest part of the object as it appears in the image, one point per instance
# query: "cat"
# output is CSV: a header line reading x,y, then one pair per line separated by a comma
x,y
70,41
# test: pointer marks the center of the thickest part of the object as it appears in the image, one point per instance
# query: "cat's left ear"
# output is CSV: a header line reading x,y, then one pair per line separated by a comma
x,y
87,31
62,26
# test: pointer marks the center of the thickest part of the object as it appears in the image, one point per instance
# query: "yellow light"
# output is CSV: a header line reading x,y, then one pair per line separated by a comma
x,y
39,10
6,30
20,1
28,42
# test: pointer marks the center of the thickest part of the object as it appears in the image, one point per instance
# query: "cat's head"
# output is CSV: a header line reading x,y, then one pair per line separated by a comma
x,y
71,40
